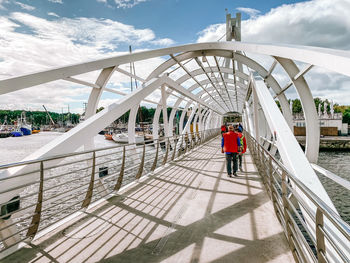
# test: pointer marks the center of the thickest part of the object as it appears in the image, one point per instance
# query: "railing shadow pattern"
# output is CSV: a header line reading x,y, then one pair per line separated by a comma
x,y
147,222
54,188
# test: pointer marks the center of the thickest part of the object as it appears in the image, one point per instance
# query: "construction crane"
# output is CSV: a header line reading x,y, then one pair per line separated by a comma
x,y
53,123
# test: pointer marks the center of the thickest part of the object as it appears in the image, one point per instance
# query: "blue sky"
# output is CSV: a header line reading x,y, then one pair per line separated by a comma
x,y
41,34
179,20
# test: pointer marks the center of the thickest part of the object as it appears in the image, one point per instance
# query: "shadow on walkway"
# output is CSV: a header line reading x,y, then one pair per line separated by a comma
x,y
189,211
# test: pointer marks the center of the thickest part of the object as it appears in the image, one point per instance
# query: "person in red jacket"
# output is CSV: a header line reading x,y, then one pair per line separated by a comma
x,y
223,129
244,148
230,145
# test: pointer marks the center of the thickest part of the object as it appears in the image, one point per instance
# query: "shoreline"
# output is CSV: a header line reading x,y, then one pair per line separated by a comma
x,y
330,143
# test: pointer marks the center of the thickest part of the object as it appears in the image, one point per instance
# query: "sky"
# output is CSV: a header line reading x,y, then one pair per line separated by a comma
x,y
36,35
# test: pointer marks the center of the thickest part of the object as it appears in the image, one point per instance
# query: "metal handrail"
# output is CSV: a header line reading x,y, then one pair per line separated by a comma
x,y
261,156
60,174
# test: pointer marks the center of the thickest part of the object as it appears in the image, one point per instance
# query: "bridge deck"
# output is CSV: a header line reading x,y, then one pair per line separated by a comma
x,y
189,211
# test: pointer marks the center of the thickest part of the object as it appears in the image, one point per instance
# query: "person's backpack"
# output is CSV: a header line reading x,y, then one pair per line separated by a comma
x,y
242,143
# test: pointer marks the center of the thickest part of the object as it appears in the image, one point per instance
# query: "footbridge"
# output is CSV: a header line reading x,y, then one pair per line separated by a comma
x,y
170,199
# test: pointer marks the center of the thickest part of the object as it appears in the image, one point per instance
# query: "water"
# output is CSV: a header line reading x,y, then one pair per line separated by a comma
x,y
339,164
14,149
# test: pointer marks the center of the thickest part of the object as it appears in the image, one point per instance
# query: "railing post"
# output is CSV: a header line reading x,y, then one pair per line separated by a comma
x,y
174,150
88,195
269,178
154,165
259,156
320,242
139,172
166,152
181,146
186,142
34,225
285,213
121,173
273,198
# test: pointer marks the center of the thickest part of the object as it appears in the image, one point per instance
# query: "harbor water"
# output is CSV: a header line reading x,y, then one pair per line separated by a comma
x,y
339,164
14,149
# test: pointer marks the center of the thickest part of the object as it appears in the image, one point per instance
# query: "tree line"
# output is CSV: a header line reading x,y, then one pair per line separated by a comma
x,y
145,114
38,118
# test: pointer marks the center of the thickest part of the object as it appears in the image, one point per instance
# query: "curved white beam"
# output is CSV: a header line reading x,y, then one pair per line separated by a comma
x,y
238,57
309,109
131,124
183,115
335,60
94,98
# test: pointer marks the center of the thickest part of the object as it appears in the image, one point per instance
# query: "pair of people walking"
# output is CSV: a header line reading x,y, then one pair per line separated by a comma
x,y
234,145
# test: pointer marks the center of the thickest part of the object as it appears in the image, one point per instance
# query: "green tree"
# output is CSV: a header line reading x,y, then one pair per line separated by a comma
x,y
346,116
297,106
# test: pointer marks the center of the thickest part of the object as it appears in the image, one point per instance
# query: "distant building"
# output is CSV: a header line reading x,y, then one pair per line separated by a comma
x,y
330,124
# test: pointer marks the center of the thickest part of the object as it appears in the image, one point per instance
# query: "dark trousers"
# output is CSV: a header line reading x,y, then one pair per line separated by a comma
x,y
231,158
240,160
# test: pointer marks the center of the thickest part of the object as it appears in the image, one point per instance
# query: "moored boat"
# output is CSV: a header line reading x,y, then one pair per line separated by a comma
x,y
26,128
109,136
124,138
17,133
5,134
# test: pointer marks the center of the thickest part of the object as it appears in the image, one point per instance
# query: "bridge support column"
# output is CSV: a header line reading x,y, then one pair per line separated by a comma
x,y
309,109
94,99
255,113
165,111
182,118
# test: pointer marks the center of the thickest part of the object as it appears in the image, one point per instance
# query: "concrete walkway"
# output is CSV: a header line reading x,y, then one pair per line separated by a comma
x,y
190,211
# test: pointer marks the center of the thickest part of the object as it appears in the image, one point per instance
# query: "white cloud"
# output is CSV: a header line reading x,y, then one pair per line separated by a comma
x,y
25,7
250,11
164,42
102,1
64,41
212,33
53,14
127,3
56,1
2,2
322,23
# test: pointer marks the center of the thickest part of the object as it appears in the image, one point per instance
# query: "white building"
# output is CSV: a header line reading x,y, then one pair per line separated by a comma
x,y
325,120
